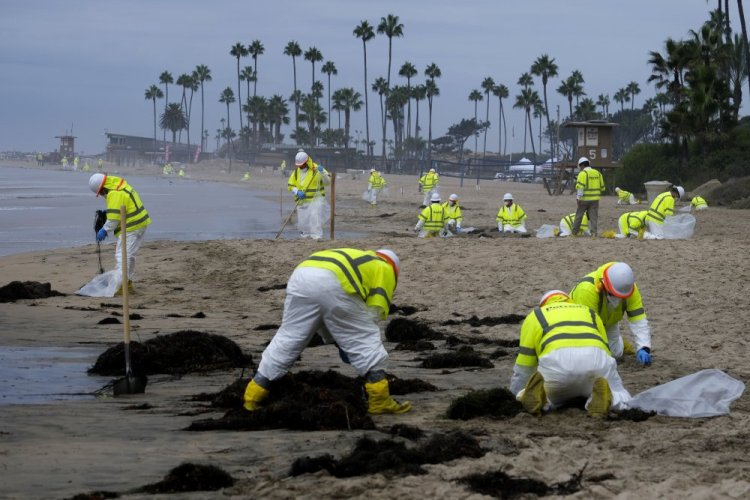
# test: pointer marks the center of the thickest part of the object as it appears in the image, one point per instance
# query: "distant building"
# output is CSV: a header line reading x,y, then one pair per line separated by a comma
x,y
130,149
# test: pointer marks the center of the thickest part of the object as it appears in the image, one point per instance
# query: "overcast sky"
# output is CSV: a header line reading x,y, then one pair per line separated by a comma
x,y
86,64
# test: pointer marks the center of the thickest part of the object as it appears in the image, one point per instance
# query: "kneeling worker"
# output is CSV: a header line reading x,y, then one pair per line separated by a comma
x,y
566,225
563,355
453,217
431,219
342,292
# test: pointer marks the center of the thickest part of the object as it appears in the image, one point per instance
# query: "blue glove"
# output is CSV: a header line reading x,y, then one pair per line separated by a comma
x,y
643,357
101,235
300,195
344,357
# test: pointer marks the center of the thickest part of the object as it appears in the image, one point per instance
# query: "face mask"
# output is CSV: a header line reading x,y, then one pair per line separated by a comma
x,y
612,301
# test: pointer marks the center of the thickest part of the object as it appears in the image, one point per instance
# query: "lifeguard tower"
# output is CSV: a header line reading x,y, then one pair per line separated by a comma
x,y
67,145
595,138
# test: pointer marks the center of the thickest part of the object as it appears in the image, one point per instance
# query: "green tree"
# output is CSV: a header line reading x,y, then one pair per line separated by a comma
x,y
487,85
570,88
460,133
432,71
239,51
622,96
348,100
202,74
293,50
526,100
390,27
313,55
475,96
247,75
418,93
152,94
365,32
166,78
546,69
501,92
633,89
173,119
312,114
380,86
329,68
255,49
408,71
603,101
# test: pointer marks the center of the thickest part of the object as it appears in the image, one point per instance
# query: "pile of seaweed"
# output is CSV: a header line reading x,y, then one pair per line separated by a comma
x,y
183,478
498,484
508,319
17,290
409,330
392,458
497,403
465,356
306,400
176,353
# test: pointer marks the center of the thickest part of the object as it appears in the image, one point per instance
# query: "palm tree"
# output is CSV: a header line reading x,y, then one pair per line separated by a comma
x,y
418,93
256,49
622,96
329,68
227,97
741,13
526,100
577,77
184,81
487,84
431,72
338,104
248,75
501,92
202,74
313,55
173,119
603,101
278,113
193,85
569,88
546,68
586,109
633,89
313,114
475,96
526,81
366,33
293,50
390,27
238,50
166,78
152,94
380,86
349,100
255,107
408,71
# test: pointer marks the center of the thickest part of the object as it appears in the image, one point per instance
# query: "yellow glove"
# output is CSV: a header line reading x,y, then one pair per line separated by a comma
x,y
254,394
380,400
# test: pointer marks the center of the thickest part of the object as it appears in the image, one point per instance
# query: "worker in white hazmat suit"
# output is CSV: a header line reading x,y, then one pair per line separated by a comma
x,y
563,354
342,293
611,291
307,182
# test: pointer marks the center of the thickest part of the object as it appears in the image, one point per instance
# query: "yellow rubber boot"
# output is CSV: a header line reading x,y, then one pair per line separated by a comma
x,y
601,399
254,394
380,400
534,398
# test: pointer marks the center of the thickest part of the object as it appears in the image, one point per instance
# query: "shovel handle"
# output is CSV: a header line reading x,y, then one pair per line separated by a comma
x,y
124,286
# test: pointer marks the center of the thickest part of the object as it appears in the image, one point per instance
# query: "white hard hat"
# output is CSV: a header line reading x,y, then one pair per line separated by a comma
x,y
617,190
300,158
432,170
453,197
390,257
507,196
435,197
583,159
619,280
558,296
680,191
372,170
96,183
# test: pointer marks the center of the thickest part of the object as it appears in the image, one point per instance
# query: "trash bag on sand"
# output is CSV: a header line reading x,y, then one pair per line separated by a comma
x,y
679,227
707,393
103,285
546,231
368,195
310,218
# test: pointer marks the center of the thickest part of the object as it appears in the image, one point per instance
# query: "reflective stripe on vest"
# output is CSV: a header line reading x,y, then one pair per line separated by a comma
x,y
559,330
656,211
436,218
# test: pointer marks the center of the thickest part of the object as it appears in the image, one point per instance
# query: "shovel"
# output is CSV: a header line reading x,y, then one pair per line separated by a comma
x,y
130,384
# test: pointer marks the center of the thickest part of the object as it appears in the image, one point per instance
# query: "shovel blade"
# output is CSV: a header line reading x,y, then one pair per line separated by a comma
x,y
130,384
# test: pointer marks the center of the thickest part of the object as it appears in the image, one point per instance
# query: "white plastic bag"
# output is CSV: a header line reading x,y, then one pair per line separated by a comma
x,y
707,393
368,195
103,285
678,227
546,231
312,216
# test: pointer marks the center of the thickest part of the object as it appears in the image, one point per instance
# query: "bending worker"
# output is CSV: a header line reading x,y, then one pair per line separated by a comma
x,y
375,185
118,193
307,182
698,203
661,207
563,354
625,197
453,217
589,188
342,292
431,219
510,218
632,224
566,226
429,183
611,292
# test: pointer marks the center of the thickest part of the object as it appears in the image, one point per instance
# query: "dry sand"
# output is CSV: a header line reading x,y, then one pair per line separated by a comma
x,y
695,294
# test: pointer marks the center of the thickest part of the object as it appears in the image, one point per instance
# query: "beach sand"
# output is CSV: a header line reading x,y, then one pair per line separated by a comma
x,y
695,293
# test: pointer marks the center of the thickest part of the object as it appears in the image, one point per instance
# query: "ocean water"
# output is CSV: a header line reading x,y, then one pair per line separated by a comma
x,y
44,210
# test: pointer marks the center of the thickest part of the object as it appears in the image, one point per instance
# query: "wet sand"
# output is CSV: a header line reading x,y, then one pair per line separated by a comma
x,y
695,294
